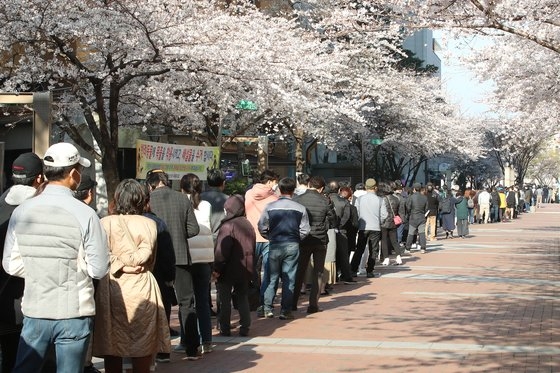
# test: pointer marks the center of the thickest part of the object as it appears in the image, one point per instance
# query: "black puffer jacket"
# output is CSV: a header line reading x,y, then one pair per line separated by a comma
x,y
321,216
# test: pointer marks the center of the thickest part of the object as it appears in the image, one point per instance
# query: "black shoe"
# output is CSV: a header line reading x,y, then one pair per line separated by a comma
x,y
350,281
243,332
325,293
174,333
92,369
225,333
313,309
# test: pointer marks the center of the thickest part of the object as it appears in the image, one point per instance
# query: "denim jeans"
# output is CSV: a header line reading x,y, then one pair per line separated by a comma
x,y
282,261
495,213
69,336
261,252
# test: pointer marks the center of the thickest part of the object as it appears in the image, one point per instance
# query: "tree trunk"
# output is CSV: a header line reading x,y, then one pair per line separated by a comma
x,y
300,162
110,171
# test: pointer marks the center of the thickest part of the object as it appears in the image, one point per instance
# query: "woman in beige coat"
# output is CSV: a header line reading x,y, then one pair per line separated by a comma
x,y
130,318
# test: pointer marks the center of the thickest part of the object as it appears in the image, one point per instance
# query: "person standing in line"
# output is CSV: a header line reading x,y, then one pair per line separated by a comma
x,y
416,209
433,207
130,318
233,265
398,192
539,193
388,226
321,215
86,193
511,203
302,181
503,204
351,227
57,244
462,212
216,197
285,223
494,205
163,271
343,220
484,201
214,194
201,248
528,197
27,175
256,199
176,210
447,210
371,211
360,191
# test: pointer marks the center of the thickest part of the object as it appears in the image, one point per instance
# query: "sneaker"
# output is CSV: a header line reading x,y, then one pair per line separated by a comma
x,y
398,260
163,358
354,274
180,348
193,357
373,275
286,315
407,252
269,314
385,262
260,311
207,348
423,251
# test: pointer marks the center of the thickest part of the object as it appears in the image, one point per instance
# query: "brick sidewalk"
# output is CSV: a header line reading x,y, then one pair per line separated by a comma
x,y
481,304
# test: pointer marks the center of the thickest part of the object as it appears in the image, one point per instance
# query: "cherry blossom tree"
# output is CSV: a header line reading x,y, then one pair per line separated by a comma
x,y
124,63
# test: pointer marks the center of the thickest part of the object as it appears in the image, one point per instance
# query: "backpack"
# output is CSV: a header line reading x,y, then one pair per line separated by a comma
x,y
470,203
445,206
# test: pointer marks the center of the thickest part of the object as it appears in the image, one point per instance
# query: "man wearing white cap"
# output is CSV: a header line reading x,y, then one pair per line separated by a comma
x,y
57,244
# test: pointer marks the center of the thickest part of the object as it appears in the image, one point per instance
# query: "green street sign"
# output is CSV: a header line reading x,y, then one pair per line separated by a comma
x,y
375,141
246,105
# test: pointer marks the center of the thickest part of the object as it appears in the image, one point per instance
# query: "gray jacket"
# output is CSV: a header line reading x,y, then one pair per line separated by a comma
x,y
372,210
57,244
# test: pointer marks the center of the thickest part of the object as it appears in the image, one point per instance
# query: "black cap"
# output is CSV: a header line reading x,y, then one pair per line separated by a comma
x,y
27,165
86,184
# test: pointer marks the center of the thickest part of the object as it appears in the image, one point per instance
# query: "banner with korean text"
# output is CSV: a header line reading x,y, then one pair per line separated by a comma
x,y
175,160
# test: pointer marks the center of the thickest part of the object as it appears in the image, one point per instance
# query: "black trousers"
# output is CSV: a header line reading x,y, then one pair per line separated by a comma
x,y
371,239
342,261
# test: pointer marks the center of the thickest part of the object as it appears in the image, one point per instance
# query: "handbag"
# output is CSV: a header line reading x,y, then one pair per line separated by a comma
x,y
396,218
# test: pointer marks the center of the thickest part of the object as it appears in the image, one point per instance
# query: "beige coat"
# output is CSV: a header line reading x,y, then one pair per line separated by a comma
x,y
130,319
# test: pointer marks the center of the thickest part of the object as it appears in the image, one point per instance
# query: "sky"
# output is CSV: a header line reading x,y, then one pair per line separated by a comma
x,y
460,83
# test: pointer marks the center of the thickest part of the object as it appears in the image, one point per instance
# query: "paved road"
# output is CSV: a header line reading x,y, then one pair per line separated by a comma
x,y
488,303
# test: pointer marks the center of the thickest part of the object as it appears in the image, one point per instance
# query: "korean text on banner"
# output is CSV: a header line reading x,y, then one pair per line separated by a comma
x,y
175,160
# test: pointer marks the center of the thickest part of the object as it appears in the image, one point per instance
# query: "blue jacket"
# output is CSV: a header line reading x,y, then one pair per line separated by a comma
x,y
284,221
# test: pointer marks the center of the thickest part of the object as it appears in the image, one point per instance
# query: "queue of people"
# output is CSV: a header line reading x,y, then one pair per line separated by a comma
x,y
111,282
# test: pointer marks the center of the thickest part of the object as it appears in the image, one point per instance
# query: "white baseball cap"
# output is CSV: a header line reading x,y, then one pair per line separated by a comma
x,y
64,154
